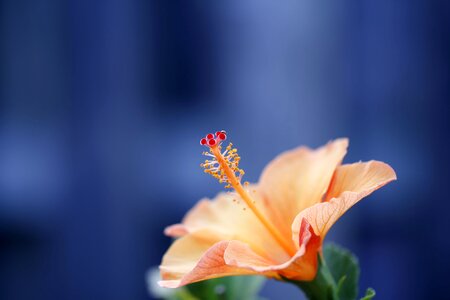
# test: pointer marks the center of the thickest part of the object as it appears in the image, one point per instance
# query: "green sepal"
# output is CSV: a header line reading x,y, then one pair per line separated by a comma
x,y
228,288
322,287
337,277
181,294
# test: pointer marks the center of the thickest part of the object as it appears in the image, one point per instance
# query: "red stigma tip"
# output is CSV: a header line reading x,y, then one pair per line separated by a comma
x,y
215,139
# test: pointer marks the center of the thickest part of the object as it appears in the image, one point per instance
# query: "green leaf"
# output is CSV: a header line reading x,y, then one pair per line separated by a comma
x,y
227,288
370,294
344,268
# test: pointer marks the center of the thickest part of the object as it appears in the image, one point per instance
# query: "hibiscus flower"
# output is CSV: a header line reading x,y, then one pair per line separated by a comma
x,y
273,228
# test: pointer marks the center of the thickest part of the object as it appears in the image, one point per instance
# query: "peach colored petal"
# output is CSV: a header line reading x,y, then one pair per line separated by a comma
x,y
228,220
298,179
302,266
176,230
196,257
199,256
350,184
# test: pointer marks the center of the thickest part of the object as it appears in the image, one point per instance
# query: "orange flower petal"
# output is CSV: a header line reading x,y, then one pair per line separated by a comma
x,y
350,184
228,220
298,179
196,257
302,266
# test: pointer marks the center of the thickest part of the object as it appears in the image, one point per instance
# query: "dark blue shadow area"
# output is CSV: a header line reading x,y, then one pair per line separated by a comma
x,y
102,104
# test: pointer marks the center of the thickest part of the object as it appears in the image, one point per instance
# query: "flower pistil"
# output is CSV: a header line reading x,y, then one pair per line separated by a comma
x,y
224,166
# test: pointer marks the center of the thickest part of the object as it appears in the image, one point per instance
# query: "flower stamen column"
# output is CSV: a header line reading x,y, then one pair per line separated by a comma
x,y
224,167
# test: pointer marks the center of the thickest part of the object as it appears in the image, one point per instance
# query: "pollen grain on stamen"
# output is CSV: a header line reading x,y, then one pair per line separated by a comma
x,y
229,159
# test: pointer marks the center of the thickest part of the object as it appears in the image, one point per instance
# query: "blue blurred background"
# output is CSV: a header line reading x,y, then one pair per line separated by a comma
x,y
102,104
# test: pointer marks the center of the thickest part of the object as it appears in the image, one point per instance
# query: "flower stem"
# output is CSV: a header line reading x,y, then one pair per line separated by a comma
x,y
322,287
